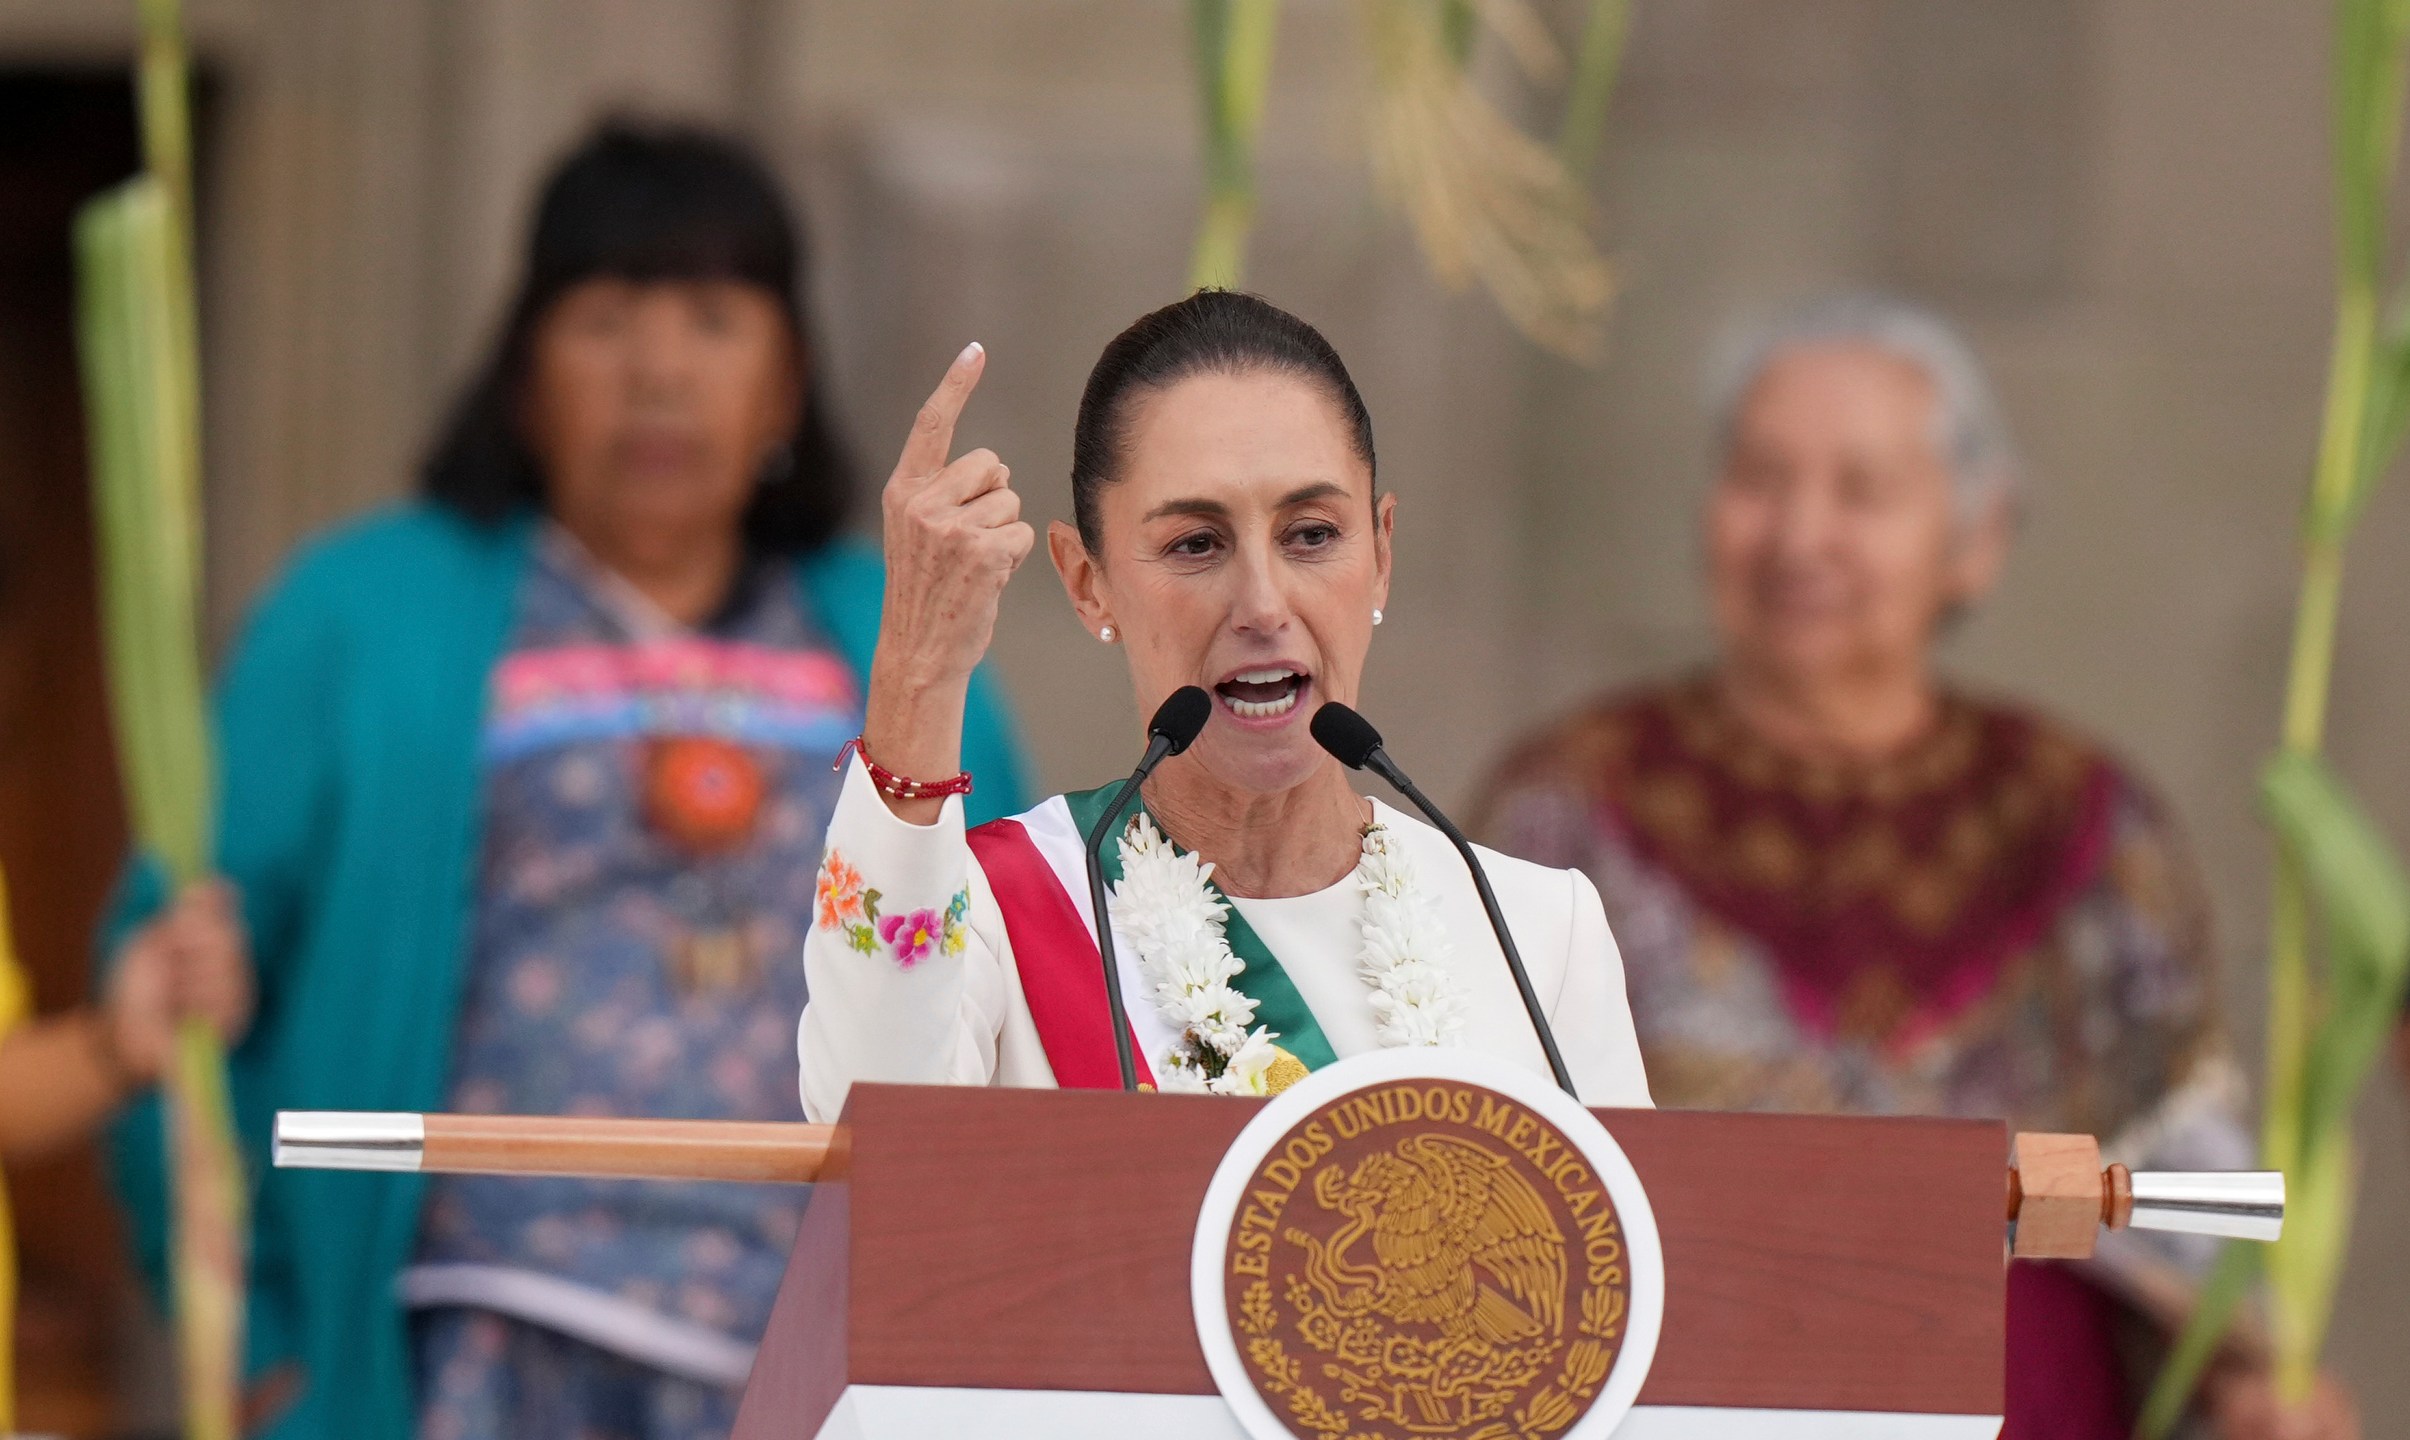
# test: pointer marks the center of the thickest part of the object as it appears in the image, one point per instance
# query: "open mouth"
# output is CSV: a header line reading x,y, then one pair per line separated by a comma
x,y
1265,694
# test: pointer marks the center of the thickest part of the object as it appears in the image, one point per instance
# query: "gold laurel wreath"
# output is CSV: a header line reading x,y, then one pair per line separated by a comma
x,y
1551,1408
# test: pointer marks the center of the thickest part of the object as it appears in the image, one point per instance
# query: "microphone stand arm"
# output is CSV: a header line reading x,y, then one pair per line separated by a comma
x,y
1380,764
1157,747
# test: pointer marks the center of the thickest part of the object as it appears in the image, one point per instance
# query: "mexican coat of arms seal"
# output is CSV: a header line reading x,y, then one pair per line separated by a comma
x,y
1427,1244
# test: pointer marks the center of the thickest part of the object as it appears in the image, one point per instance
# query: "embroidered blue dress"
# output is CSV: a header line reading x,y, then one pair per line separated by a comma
x,y
616,971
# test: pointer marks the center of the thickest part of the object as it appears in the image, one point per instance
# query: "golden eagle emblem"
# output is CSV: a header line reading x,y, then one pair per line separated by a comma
x,y
1426,1265
1459,1241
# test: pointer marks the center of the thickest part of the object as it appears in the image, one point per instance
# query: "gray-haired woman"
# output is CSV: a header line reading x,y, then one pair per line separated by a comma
x,y
1841,884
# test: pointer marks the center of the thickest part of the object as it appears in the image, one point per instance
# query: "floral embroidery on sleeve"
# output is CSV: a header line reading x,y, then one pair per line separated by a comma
x,y
846,907
956,932
910,936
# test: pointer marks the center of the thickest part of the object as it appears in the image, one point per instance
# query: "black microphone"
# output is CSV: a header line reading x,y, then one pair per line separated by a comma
x,y
1175,726
1353,742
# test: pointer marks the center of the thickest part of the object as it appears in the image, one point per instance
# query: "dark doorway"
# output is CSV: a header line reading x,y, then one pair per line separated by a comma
x,y
63,136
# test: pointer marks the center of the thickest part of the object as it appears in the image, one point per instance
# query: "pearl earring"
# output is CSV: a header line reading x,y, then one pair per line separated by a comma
x,y
1105,634
1376,616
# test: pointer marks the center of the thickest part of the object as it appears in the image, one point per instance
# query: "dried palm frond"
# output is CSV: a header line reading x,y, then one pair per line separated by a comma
x,y
1486,201
1521,30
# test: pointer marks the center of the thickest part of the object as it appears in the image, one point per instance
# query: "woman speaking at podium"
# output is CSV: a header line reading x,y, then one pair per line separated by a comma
x,y
1268,919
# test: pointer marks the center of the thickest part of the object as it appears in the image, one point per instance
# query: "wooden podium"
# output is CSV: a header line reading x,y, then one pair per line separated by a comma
x,y
1016,1263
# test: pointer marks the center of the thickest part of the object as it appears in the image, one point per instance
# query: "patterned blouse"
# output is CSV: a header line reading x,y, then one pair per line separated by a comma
x,y
1996,922
628,961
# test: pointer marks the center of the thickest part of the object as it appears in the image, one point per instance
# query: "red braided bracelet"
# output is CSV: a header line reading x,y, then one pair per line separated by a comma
x,y
902,787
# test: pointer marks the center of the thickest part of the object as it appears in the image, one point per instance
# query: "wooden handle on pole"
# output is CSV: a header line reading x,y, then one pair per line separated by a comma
x,y
642,1149
591,1148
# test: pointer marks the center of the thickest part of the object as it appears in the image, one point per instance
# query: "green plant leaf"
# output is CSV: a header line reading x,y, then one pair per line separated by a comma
x,y
2336,877
138,341
1594,72
2386,421
135,338
2302,1271
140,406
2362,900
2351,867
164,98
2367,120
2305,1267
1231,50
2212,1312
1459,26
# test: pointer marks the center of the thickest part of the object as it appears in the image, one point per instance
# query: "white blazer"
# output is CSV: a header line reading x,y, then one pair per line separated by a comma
x,y
955,1014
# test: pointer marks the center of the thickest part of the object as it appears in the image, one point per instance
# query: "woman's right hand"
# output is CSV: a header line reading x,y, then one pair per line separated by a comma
x,y
954,537
2243,1404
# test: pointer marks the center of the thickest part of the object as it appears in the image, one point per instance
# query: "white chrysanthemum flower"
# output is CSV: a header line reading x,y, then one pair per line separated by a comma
x,y
1249,1071
1179,1074
1404,951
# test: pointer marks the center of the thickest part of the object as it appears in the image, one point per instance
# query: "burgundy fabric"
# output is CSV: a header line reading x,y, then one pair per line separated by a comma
x,y
1890,893
1062,975
2064,1382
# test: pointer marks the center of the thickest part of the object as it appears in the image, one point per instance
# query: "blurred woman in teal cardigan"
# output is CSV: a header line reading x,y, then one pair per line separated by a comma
x,y
523,785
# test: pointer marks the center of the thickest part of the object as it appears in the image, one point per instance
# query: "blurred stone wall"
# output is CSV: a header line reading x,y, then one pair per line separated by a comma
x,y
2123,200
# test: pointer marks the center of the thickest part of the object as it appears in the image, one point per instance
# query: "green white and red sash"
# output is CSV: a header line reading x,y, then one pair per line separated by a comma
x,y
1035,864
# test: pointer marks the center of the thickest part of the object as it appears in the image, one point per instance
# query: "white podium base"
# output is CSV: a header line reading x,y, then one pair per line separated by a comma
x,y
912,1412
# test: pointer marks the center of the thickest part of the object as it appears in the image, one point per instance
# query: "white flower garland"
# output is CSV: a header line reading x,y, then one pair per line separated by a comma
x,y
1173,921
1404,955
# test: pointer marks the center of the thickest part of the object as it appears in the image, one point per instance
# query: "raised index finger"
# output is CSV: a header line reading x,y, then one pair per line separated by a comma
x,y
932,436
